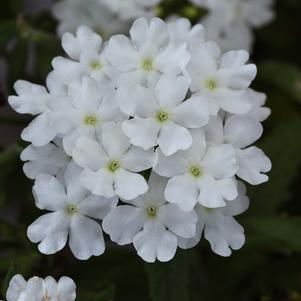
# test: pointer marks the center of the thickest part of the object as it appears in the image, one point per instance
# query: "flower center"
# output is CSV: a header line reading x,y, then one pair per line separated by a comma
x,y
90,120
71,209
151,211
211,84
96,65
196,171
113,166
162,116
147,65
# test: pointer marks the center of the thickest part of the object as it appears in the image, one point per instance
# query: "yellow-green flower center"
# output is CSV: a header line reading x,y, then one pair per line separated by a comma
x,y
90,120
96,65
196,171
71,209
211,84
162,116
113,166
147,65
151,211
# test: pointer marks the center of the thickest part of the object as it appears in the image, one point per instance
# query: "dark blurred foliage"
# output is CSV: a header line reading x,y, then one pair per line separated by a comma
x,y
267,268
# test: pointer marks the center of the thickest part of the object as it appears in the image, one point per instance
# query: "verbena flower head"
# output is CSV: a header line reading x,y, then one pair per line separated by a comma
x,y
146,136
231,22
37,289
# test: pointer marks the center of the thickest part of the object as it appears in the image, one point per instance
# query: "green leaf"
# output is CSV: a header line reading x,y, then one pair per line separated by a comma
x,y
283,147
283,231
170,281
283,76
7,31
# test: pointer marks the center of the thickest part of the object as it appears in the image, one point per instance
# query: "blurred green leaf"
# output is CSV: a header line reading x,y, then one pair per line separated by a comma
x,y
283,147
170,281
7,31
281,229
284,76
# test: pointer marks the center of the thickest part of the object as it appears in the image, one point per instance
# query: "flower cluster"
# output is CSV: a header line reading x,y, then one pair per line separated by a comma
x,y
38,289
230,23
106,17
144,137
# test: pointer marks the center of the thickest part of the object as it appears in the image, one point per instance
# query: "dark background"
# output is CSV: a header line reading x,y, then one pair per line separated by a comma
x,y
267,268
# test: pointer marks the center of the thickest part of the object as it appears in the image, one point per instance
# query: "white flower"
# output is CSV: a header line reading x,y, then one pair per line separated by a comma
x,y
84,112
148,54
220,228
73,214
34,99
241,131
258,110
89,61
49,159
37,289
221,80
161,117
153,225
111,165
130,9
230,22
92,13
199,175
181,29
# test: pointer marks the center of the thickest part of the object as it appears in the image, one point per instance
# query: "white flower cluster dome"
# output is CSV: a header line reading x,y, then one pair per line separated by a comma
x,y
147,137
106,17
38,289
230,23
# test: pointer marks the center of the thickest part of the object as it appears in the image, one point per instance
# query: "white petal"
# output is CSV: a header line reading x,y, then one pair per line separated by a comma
x,y
183,191
223,234
178,221
70,139
16,285
89,154
173,138
220,161
170,166
234,102
47,159
66,288
123,223
85,238
99,182
114,141
51,230
192,113
125,60
137,159
173,59
171,90
97,207
253,163
49,193
68,70
142,132
128,185
75,45
242,131
155,242
215,130
240,204
210,195
241,75
39,131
